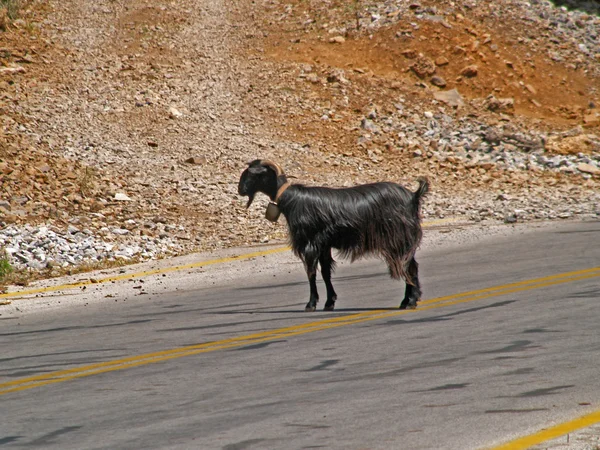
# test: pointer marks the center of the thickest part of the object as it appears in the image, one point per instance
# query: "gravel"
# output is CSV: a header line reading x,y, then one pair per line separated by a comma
x,y
125,128
40,247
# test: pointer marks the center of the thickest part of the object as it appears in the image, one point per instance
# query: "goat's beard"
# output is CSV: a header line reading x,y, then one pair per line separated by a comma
x,y
250,200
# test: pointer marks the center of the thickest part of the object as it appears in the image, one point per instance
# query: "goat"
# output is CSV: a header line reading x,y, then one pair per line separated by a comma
x,y
371,219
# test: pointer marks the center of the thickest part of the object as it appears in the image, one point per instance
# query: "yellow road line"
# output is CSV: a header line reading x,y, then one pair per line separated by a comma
x,y
520,285
551,433
128,276
25,293
295,330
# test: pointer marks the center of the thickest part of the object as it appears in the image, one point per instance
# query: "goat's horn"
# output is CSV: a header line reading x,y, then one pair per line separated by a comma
x,y
276,167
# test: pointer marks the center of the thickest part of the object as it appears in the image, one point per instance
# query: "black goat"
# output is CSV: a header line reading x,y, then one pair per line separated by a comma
x,y
379,218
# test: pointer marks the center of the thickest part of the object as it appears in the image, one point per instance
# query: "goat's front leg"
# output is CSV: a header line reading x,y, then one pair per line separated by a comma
x,y
412,293
310,263
327,266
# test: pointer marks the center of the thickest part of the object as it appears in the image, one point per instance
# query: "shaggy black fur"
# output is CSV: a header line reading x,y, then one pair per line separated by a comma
x,y
372,219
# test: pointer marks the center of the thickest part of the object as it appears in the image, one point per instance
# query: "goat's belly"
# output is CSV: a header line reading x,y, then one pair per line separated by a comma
x,y
345,239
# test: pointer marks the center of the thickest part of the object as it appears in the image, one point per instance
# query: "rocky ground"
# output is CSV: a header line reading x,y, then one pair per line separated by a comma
x,y
125,124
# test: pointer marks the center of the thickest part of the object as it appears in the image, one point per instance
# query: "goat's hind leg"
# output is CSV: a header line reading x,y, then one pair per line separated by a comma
x,y
327,266
412,293
310,263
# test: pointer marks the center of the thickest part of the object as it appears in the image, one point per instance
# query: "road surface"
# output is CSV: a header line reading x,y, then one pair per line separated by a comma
x,y
505,343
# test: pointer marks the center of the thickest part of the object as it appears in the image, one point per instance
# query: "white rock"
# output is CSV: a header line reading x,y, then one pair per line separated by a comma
x,y
174,113
121,197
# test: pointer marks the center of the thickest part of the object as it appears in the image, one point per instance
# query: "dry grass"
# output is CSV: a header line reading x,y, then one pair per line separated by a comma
x,y
87,182
9,11
23,277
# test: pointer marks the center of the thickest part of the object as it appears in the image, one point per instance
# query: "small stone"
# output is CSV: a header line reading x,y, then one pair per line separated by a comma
x,y
197,160
410,53
470,71
121,197
423,67
531,89
535,103
72,229
337,76
438,81
591,120
337,40
13,69
588,168
451,97
312,78
368,125
500,104
174,113
458,50
441,61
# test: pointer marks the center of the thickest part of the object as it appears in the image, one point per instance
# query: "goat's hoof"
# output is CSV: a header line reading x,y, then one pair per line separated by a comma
x,y
310,308
408,305
329,307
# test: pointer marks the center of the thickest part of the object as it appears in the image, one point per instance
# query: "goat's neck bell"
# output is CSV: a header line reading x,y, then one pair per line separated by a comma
x,y
273,212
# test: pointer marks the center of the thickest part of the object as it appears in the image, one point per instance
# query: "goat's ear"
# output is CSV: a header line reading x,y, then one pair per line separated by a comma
x,y
273,166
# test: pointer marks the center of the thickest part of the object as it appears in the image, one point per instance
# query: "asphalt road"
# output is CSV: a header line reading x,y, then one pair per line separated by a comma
x,y
461,372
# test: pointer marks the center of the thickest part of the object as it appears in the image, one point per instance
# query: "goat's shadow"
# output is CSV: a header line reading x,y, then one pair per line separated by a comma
x,y
319,312
384,275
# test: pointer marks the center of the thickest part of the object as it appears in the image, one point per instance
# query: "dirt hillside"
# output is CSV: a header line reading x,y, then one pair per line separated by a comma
x,y
129,122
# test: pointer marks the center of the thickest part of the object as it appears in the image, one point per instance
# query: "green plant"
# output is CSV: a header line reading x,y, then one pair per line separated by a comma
x,y
5,266
354,8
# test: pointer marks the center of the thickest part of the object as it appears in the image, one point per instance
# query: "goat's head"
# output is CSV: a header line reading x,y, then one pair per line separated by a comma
x,y
261,176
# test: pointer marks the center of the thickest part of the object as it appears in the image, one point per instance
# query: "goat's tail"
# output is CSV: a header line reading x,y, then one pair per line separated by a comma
x,y
420,192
